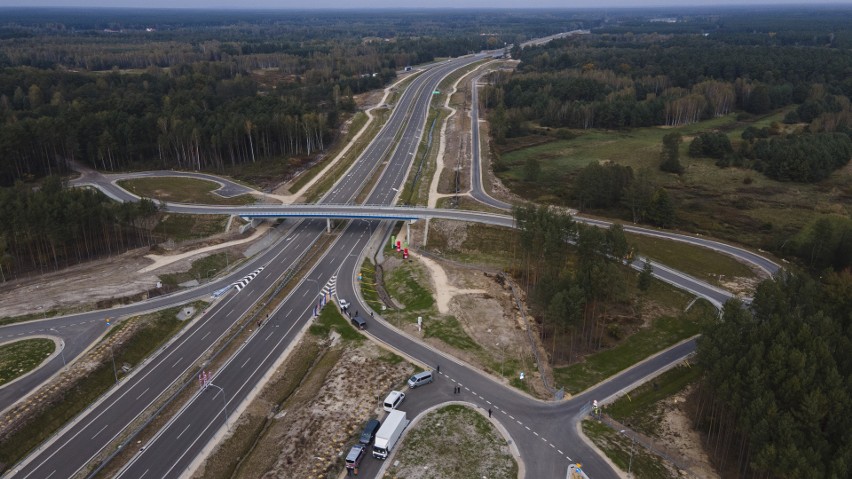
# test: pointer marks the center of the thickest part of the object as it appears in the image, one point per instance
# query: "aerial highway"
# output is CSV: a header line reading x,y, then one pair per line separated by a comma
x,y
544,432
79,443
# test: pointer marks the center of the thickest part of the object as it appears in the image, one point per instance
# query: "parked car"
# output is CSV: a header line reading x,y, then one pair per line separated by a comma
x,y
369,432
420,379
393,400
343,303
353,459
359,322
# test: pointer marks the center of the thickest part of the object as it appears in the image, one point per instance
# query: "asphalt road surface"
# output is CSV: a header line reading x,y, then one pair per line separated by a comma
x,y
77,444
544,431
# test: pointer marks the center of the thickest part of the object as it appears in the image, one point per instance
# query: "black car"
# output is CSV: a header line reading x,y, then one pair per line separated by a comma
x,y
369,432
359,322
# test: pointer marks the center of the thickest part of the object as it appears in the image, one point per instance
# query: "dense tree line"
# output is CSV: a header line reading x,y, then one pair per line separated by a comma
x,y
202,90
636,79
775,399
711,145
50,227
612,185
825,243
570,288
196,117
804,158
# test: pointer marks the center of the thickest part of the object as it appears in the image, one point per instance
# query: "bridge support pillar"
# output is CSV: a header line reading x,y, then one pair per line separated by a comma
x,y
425,232
408,233
328,225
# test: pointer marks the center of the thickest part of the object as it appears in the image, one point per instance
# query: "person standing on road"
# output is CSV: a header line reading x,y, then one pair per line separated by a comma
x,y
489,413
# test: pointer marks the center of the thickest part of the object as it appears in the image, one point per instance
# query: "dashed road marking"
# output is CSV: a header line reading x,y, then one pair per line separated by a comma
x,y
551,445
534,432
528,428
511,417
143,393
560,452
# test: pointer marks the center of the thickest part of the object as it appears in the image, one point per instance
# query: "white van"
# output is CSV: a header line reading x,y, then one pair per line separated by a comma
x,y
393,400
420,379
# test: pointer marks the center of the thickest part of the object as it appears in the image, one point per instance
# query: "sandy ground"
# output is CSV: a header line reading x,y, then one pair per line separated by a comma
x,y
314,428
81,287
160,261
677,432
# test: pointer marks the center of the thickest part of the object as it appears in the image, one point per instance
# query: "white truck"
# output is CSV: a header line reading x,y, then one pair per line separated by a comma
x,y
389,434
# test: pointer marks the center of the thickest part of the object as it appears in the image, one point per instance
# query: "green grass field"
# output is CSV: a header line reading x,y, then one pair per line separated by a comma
x,y
20,357
736,204
202,269
181,190
180,227
331,319
699,262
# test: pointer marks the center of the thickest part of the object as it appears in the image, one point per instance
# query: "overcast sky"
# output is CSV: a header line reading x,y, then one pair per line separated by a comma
x,y
301,4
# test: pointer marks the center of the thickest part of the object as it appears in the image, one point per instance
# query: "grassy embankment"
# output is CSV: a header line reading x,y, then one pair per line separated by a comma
x,y
20,357
642,409
181,190
202,269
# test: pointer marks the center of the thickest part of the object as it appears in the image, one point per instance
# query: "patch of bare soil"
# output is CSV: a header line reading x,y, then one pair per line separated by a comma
x,y
78,286
742,286
81,287
488,315
370,99
310,434
676,432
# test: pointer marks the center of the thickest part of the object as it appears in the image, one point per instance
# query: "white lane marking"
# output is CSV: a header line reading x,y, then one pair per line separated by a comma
x,y
143,393
504,412
96,434
566,457
560,452
489,402
543,439
244,364
534,432
551,445
177,362
202,337
184,430
511,417
270,335
51,474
